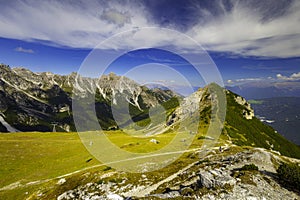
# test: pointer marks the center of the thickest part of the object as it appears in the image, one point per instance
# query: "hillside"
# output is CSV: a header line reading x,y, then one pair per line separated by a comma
x,y
58,172
241,127
252,132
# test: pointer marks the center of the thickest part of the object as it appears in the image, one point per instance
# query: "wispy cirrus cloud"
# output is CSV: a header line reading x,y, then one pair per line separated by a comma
x,y
245,28
247,31
24,50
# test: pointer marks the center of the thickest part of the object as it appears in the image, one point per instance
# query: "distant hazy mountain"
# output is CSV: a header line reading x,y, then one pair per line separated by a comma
x,y
282,113
260,90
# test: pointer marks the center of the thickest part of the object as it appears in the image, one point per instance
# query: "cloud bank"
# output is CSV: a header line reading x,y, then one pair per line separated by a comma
x,y
279,79
293,77
247,28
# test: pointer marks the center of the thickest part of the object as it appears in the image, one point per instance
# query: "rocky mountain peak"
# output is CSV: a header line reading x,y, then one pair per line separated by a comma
x,y
43,96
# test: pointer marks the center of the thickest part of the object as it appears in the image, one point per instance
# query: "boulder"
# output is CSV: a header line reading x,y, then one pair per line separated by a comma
x,y
215,178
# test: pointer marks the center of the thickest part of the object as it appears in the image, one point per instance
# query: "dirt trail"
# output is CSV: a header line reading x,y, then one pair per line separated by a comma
x,y
19,184
146,191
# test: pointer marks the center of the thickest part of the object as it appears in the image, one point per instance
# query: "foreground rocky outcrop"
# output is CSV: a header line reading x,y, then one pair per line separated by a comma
x,y
221,175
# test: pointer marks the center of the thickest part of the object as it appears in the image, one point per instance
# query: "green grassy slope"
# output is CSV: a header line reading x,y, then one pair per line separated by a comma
x,y
253,132
35,156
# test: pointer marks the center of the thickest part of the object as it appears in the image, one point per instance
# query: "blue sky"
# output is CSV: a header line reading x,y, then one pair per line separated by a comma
x,y
247,40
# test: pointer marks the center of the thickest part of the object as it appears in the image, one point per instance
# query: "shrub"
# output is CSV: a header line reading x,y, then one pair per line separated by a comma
x,y
290,173
107,168
249,167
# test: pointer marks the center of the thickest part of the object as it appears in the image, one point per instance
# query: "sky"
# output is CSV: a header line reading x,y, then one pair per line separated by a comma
x,y
249,40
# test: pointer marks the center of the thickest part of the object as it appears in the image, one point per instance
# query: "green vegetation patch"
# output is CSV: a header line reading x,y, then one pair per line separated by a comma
x,y
252,101
290,173
249,167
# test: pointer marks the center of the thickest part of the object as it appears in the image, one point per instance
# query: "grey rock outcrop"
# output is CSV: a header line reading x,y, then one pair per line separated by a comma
x,y
217,177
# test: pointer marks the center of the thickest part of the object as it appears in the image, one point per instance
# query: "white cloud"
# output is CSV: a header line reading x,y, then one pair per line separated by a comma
x,y
241,81
229,81
241,30
21,49
248,79
293,77
79,26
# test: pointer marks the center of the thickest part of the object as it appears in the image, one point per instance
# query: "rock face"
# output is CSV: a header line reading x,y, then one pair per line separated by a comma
x,y
192,106
215,178
248,112
34,101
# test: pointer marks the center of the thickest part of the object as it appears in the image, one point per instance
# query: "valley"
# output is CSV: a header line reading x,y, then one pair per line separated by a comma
x,y
282,114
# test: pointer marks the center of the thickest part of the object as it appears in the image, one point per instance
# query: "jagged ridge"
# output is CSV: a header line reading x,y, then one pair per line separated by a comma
x,y
32,101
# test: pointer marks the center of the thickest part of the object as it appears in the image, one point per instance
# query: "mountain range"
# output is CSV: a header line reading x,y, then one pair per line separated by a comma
x,y
39,101
267,89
